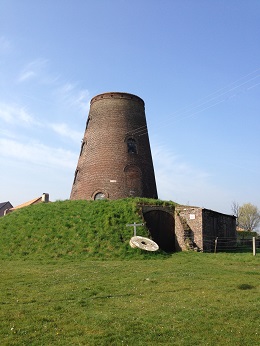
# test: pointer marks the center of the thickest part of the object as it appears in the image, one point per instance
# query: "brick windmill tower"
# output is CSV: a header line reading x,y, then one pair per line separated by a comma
x,y
115,159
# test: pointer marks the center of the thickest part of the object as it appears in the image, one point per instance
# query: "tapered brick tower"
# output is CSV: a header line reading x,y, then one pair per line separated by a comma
x,y
115,159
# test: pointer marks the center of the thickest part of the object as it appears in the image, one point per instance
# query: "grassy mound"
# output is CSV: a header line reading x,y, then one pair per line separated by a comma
x,y
87,229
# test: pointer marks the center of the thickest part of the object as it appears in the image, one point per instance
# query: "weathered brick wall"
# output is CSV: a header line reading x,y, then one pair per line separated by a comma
x,y
188,227
104,164
202,227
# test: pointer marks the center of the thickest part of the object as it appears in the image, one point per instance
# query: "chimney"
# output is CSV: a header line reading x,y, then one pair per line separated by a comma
x,y
45,197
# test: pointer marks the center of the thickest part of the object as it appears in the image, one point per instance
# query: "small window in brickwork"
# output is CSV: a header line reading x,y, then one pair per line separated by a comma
x,y
99,195
82,148
87,123
131,146
76,176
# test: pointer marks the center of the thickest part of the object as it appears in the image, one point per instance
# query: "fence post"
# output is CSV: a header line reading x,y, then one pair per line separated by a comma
x,y
216,243
254,247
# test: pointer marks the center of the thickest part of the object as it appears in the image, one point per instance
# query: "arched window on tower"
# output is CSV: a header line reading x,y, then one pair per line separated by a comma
x,y
99,196
82,147
76,176
87,123
131,146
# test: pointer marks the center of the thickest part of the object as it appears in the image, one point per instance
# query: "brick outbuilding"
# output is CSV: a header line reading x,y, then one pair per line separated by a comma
x,y
199,228
183,228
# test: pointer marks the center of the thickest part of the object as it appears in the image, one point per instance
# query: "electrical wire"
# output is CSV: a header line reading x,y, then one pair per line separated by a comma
x,y
187,109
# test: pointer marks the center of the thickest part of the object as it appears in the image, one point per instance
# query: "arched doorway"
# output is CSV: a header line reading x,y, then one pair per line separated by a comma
x,y
161,227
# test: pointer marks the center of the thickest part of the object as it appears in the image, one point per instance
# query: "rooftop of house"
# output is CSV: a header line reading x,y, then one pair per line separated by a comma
x,y
190,208
43,198
5,204
33,201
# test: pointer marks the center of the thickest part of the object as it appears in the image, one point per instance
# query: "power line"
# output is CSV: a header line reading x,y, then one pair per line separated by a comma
x,y
187,109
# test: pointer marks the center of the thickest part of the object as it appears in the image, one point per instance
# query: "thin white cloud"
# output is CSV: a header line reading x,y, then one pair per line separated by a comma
x,y
177,179
63,95
36,153
13,114
18,116
25,75
64,130
34,69
72,96
182,183
7,133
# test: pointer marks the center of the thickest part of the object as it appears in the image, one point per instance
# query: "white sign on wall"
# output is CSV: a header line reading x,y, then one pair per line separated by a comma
x,y
192,216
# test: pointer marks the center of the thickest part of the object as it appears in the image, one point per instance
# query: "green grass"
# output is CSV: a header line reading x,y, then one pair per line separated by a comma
x,y
73,229
69,277
185,299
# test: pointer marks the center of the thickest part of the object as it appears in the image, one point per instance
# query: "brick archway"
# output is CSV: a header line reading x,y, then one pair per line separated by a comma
x,y
160,224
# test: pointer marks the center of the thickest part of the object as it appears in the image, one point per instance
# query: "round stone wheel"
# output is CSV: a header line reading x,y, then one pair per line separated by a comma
x,y
143,243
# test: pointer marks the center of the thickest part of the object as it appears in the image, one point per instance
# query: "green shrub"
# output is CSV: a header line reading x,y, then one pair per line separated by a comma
x,y
246,234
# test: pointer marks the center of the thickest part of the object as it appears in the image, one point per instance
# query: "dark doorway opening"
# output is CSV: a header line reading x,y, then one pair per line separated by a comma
x,y
161,227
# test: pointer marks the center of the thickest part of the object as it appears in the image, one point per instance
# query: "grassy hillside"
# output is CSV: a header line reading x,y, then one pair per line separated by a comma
x,y
56,297
87,229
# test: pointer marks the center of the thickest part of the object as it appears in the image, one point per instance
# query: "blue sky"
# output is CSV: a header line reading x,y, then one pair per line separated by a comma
x,y
196,64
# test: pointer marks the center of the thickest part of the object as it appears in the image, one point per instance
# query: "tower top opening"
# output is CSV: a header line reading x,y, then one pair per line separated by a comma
x,y
116,95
